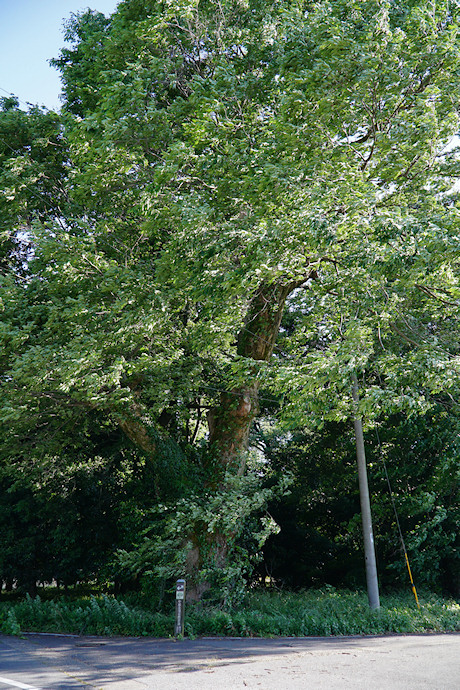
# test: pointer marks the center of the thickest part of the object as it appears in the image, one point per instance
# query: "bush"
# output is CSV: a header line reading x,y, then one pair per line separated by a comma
x,y
94,616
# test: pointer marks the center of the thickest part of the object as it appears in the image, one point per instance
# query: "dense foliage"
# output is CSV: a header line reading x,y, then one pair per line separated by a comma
x,y
264,614
319,520
241,205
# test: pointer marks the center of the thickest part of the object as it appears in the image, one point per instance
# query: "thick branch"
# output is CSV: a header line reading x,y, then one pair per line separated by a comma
x,y
138,433
132,424
430,293
258,335
230,421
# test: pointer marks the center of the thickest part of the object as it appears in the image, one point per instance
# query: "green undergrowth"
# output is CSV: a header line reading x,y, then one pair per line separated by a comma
x,y
264,614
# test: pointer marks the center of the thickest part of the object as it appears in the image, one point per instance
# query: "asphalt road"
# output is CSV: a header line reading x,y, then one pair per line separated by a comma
x,y
50,662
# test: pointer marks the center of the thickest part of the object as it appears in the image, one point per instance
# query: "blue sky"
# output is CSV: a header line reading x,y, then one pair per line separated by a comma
x,y
31,34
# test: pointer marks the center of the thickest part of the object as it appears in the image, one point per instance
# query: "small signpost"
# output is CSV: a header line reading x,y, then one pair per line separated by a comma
x,y
180,608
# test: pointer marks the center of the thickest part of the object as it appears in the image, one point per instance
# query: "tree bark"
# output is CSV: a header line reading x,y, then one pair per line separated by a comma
x,y
138,433
230,422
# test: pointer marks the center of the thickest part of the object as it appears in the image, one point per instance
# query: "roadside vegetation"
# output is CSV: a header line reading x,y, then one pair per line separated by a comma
x,y
321,613
235,244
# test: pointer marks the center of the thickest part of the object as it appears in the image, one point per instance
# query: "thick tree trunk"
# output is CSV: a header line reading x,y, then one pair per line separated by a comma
x,y
230,422
229,425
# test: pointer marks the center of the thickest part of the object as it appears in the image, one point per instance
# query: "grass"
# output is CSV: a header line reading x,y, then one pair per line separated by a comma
x,y
263,614
322,614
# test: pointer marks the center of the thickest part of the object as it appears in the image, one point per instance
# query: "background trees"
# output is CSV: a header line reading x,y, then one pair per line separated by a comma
x,y
258,201
319,521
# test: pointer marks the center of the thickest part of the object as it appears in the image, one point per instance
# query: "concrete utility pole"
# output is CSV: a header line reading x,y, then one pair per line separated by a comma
x,y
369,548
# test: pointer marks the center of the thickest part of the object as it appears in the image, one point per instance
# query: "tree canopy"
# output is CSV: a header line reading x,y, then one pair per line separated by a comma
x,y
240,205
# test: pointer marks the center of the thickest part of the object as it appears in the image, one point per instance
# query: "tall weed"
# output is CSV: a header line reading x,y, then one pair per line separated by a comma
x,y
262,614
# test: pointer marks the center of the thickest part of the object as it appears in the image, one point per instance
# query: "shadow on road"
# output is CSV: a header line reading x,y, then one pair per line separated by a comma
x,y
111,662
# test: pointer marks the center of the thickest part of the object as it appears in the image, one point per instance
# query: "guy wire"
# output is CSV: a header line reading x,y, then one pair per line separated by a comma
x,y
397,519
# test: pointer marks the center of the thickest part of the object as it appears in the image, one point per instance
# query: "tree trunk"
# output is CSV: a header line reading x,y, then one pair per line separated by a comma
x,y
138,433
230,421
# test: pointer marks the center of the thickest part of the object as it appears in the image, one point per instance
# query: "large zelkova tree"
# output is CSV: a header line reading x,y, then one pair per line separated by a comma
x,y
231,164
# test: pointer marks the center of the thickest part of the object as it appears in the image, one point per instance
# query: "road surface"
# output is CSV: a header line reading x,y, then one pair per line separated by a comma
x,y
51,662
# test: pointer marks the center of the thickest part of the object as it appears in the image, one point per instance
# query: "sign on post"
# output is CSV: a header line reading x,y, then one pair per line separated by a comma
x,y
180,608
